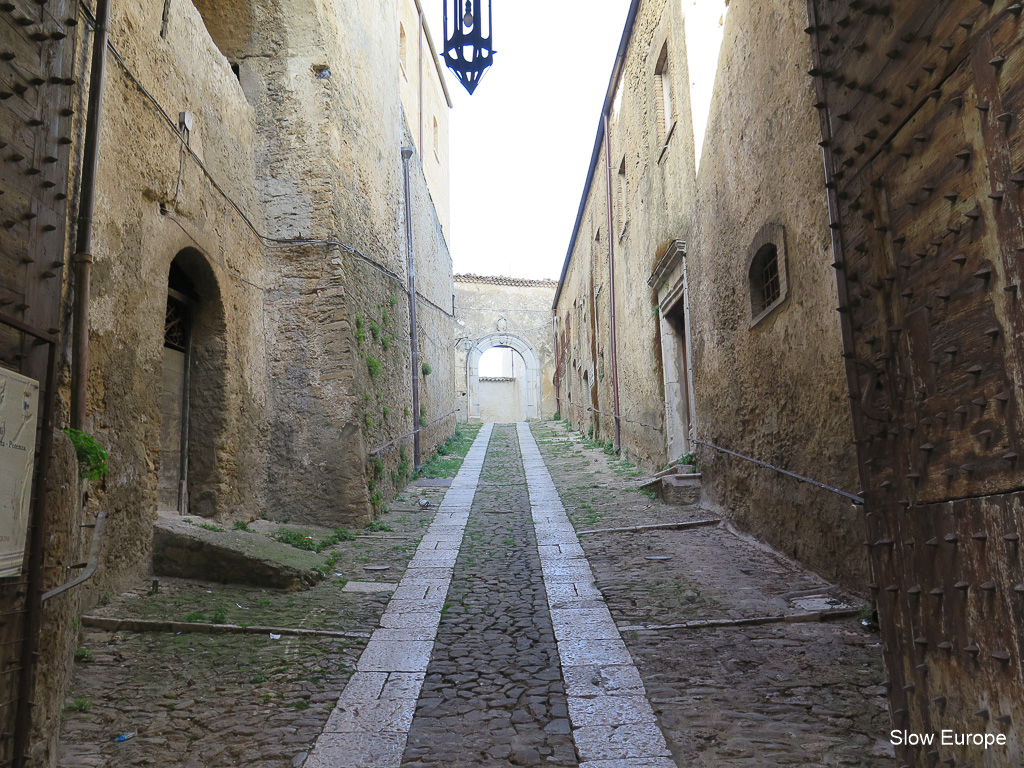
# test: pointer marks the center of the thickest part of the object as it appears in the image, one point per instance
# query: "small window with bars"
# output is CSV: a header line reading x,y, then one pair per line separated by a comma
x,y
768,277
767,272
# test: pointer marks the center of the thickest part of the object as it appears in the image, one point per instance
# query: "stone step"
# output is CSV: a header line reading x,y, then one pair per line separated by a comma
x,y
681,489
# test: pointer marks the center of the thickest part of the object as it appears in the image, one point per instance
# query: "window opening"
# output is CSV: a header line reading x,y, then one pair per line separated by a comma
x,y
663,96
623,192
771,289
403,49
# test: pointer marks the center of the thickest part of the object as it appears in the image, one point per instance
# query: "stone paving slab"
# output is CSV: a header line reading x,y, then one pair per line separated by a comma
x,y
368,586
357,750
381,716
618,742
638,762
603,680
609,710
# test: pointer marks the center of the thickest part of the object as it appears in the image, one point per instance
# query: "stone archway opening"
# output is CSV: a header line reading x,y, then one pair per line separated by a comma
x,y
503,385
503,379
193,392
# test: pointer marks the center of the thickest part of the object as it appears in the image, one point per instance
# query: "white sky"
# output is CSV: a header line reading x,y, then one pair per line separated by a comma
x,y
521,145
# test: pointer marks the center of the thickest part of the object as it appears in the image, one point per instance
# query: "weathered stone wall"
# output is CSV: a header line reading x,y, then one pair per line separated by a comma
x,y
426,106
154,203
774,389
67,545
658,159
487,307
284,205
341,360
769,385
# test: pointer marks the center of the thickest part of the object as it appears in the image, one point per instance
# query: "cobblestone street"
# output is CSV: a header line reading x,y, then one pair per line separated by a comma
x,y
494,645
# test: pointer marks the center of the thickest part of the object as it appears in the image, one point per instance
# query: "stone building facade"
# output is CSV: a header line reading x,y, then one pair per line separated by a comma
x,y
513,315
703,359
249,348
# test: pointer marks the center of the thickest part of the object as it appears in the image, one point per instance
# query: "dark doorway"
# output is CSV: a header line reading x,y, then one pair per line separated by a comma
x,y
193,389
172,481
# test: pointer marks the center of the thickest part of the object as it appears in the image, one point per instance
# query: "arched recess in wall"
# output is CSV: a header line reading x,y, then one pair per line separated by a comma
x,y
533,373
193,396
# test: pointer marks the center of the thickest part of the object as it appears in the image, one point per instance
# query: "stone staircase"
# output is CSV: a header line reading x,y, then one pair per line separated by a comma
x,y
679,484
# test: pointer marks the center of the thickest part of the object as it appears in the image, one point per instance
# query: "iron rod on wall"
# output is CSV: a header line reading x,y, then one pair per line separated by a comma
x,y
86,209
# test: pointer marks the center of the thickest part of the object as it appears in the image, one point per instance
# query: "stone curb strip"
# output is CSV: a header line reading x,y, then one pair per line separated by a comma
x,y
185,627
683,526
784,618
613,723
370,726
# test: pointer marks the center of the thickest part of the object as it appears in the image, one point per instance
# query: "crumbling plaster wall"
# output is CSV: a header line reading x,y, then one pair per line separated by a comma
x,y
775,390
486,305
659,170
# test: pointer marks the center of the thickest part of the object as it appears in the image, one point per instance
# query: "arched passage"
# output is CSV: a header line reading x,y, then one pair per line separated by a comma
x,y
532,373
193,397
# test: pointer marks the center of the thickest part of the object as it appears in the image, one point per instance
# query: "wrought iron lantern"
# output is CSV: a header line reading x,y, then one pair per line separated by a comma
x,y
468,50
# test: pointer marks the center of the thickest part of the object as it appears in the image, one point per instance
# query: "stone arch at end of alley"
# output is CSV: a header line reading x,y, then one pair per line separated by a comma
x,y
515,314
532,376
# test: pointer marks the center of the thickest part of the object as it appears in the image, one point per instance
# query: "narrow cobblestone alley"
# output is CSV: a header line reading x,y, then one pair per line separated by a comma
x,y
498,648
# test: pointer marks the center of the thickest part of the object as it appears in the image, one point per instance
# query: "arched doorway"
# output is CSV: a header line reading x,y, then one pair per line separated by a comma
x,y
528,390
193,390
502,385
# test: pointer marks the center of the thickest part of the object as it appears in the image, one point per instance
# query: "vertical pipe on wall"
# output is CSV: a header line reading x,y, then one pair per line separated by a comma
x,y
86,209
691,396
558,362
414,346
611,278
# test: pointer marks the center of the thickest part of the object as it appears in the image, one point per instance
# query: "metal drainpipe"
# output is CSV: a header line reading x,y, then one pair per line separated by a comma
x,y
558,362
611,279
413,334
86,209
691,395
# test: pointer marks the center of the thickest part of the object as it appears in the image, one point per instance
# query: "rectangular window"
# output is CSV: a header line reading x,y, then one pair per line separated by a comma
x,y
622,195
403,50
663,98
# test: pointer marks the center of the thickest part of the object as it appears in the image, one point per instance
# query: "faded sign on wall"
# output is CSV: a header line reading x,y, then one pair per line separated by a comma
x,y
19,402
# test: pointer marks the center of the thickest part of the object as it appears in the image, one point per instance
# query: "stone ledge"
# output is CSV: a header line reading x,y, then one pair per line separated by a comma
x,y
186,551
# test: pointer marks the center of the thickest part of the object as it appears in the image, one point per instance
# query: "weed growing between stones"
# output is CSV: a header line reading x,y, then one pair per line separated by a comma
x,y
450,454
80,704
92,456
302,540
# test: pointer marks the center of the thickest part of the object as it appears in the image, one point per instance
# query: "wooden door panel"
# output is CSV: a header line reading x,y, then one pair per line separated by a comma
x,y
921,105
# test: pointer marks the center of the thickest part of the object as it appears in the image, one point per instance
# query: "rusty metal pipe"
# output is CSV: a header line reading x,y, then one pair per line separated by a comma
x,y
91,565
611,280
558,362
414,346
86,209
